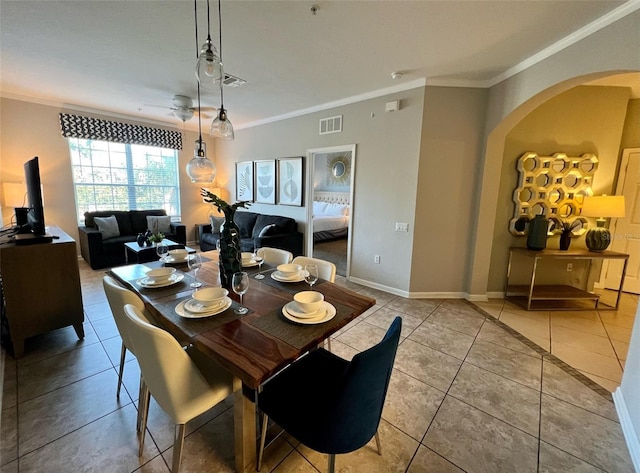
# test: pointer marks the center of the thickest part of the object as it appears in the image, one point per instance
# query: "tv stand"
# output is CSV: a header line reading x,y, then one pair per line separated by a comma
x,y
41,287
31,239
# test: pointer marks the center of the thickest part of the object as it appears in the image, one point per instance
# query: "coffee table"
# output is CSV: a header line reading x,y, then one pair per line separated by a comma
x,y
134,253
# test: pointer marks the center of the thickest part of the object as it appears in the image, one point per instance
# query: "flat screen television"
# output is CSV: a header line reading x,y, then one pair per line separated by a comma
x,y
35,214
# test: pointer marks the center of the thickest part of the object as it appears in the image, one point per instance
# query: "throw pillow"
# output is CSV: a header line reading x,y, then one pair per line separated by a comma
x,y
159,224
216,222
268,230
108,226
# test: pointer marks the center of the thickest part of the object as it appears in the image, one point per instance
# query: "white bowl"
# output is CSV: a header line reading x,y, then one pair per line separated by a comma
x,y
308,301
160,274
210,296
247,257
178,254
289,270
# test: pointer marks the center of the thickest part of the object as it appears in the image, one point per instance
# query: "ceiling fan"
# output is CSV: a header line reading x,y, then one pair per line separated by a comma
x,y
183,108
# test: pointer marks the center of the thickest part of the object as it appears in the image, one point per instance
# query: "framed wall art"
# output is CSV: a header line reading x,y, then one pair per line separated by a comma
x,y
290,181
265,181
244,181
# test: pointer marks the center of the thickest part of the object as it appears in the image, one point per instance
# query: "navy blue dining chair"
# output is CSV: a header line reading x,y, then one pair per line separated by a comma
x,y
329,404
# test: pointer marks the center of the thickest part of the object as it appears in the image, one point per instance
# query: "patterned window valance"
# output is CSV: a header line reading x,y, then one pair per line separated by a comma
x,y
76,126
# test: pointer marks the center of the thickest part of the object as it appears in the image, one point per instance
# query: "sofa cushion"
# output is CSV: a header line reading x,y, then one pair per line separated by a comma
x,y
215,223
268,230
139,219
282,225
159,224
245,222
108,226
122,216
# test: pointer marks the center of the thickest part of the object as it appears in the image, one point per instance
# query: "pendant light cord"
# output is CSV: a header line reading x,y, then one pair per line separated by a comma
x,y
220,44
195,14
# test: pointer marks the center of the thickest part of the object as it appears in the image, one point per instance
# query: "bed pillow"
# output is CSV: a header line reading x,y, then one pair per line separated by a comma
x,y
159,224
336,210
319,207
108,226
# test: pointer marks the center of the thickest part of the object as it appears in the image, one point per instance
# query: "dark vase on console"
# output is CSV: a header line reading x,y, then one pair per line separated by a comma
x,y
230,251
141,239
565,240
537,233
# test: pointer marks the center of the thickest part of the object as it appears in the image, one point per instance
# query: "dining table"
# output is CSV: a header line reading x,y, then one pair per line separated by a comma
x,y
254,346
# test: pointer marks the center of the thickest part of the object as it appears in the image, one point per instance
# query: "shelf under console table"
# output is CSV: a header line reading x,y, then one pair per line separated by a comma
x,y
559,296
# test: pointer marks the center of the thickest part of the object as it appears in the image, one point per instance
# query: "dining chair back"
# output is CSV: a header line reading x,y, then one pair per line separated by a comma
x,y
329,404
183,382
275,256
118,297
326,269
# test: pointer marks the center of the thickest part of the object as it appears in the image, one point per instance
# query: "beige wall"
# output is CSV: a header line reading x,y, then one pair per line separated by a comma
x,y
631,133
386,170
611,50
581,120
452,143
29,129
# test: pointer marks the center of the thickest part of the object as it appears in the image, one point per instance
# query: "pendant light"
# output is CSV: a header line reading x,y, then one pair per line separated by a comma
x,y
200,168
209,69
221,127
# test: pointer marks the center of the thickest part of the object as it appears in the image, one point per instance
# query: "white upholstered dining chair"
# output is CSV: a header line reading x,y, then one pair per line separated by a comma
x,y
185,383
274,256
118,297
326,269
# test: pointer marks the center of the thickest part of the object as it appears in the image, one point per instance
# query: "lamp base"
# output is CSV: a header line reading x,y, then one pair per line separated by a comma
x,y
598,239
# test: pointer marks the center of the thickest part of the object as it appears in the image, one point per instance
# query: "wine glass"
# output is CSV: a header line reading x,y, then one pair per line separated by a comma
x,y
162,250
194,262
311,274
240,284
259,259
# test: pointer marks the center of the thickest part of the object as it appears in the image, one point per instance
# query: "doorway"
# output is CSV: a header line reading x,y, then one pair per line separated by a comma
x,y
626,231
330,194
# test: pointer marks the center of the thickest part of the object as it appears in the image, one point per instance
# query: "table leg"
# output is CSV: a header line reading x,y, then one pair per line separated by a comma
x,y
244,420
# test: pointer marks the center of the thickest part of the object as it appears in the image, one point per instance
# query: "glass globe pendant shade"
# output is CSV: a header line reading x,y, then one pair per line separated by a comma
x,y
200,168
209,68
221,127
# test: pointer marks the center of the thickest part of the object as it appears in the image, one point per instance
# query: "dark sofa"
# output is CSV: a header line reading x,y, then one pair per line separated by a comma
x,y
282,233
105,253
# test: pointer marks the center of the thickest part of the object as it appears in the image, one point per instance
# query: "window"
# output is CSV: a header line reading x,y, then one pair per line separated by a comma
x,y
121,176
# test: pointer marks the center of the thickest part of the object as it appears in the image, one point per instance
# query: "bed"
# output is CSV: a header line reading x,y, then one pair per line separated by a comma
x,y
331,212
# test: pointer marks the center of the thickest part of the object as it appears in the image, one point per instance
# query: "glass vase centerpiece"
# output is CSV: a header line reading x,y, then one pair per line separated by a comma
x,y
230,258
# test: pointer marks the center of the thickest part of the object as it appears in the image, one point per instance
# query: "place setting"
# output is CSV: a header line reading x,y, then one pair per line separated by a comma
x,y
204,302
289,273
160,277
309,307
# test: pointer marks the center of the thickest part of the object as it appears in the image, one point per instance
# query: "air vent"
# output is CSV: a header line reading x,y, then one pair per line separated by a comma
x,y
331,125
233,81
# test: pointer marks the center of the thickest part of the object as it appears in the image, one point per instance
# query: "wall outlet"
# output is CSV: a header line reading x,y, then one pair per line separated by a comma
x,y
569,266
402,227
376,259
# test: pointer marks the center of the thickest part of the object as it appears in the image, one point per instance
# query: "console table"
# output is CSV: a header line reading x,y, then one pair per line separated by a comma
x,y
556,296
41,287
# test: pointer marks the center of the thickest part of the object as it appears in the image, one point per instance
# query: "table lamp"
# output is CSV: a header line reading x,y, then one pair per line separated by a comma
x,y
602,207
15,197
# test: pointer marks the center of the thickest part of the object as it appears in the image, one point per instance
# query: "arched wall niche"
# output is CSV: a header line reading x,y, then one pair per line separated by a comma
x,y
489,188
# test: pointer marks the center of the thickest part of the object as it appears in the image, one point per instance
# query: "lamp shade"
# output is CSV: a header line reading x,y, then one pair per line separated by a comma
x,y
603,206
221,127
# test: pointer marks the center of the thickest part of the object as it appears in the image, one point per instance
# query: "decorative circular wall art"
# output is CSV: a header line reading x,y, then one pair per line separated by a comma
x,y
554,186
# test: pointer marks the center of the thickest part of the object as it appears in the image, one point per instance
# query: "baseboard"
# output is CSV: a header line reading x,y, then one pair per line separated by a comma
x,y
630,435
415,295
380,287
495,295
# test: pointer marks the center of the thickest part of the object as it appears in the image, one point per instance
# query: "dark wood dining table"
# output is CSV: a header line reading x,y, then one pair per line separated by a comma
x,y
252,347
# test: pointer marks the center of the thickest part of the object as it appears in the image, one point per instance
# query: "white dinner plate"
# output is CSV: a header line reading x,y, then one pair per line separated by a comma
x,y
150,283
250,264
330,313
278,276
196,307
187,314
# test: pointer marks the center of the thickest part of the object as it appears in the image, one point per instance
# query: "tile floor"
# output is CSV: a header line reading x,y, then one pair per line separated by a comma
x,y
468,394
